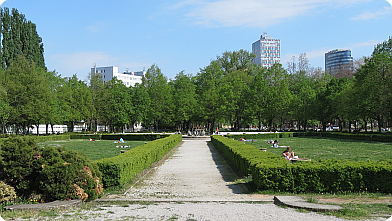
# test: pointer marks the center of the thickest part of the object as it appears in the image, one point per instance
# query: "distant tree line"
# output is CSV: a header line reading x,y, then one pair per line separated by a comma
x,y
231,91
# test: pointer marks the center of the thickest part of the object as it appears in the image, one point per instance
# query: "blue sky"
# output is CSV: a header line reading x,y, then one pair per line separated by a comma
x,y
186,35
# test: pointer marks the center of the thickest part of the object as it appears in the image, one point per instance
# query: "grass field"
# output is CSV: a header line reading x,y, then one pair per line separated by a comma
x,y
326,148
94,150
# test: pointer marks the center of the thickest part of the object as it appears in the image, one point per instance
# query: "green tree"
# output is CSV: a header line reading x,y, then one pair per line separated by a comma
x,y
278,96
234,88
374,80
97,90
4,106
208,82
19,37
28,93
258,95
75,100
240,60
141,103
117,104
161,107
184,98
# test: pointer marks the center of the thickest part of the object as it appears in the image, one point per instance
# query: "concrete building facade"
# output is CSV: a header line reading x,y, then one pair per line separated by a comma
x,y
128,78
267,51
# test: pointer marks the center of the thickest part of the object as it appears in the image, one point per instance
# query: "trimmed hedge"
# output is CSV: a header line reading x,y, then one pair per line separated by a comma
x,y
84,136
262,135
51,137
121,169
134,137
129,137
273,172
384,137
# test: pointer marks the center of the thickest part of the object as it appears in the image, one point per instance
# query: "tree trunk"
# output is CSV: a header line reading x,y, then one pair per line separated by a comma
x,y
379,123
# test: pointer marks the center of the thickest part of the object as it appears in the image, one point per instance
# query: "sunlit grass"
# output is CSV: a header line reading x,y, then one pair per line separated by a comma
x,y
94,150
327,148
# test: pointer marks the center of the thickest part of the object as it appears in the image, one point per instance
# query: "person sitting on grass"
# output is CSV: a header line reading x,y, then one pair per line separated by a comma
x,y
287,154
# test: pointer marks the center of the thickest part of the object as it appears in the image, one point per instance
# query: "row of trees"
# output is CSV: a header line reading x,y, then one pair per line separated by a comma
x,y
231,90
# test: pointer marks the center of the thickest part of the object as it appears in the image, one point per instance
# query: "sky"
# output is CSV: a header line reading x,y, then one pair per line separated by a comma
x,y
186,35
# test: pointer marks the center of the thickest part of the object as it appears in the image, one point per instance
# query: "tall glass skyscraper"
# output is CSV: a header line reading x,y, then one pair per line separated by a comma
x,y
267,51
338,59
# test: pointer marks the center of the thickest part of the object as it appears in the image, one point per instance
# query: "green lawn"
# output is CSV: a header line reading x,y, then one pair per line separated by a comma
x,y
94,150
327,148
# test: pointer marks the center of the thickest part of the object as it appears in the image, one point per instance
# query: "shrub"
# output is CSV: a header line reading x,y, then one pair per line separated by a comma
x,y
62,169
50,172
7,192
18,164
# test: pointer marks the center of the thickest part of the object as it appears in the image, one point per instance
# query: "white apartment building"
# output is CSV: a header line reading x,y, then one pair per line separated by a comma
x,y
267,51
128,78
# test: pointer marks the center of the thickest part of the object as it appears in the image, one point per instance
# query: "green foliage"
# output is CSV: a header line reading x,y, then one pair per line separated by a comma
x,y
62,168
135,137
18,164
7,192
272,172
119,170
359,136
262,135
161,98
19,37
50,172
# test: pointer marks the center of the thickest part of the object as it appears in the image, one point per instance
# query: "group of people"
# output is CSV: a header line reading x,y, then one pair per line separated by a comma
x,y
275,144
288,154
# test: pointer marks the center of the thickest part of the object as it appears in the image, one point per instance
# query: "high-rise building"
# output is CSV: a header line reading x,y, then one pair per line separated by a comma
x,y
128,78
267,51
337,60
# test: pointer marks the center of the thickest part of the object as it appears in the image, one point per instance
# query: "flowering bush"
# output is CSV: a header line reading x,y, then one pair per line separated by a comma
x,y
7,192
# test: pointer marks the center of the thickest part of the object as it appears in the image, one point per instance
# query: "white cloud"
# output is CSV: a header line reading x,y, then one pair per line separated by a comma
x,y
255,13
372,43
373,15
2,1
97,27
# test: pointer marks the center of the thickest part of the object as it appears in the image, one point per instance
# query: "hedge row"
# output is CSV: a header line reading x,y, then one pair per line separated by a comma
x,y
339,135
261,135
40,138
129,137
51,137
354,136
272,172
121,169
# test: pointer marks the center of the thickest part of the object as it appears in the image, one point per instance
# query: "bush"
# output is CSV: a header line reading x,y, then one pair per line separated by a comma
x,y
18,164
50,172
7,192
62,169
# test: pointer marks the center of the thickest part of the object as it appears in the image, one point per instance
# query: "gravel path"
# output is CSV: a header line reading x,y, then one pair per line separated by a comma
x,y
195,172
194,183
